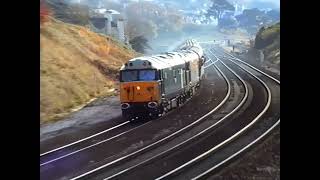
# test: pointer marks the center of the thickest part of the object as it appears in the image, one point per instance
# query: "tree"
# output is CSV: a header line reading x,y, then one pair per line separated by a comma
x,y
140,44
230,23
70,13
148,18
173,22
250,17
274,15
218,8
141,27
44,12
253,19
79,14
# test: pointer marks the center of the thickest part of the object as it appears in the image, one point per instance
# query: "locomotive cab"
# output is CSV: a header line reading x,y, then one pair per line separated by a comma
x,y
140,90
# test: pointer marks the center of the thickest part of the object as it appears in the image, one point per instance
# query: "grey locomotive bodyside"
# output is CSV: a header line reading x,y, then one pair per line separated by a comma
x,y
180,81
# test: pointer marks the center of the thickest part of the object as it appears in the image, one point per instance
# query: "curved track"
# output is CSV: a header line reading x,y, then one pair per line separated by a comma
x,y
151,168
263,133
221,122
205,164
157,160
176,139
56,169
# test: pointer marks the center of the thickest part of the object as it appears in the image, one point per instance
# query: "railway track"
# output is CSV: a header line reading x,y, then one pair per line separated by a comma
x,y
193,149
204,165
273,75
50,169
149,168
159,156
258,129
90,141
272,82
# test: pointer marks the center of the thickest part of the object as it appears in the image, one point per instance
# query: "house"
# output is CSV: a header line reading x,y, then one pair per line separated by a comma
x,y
109,22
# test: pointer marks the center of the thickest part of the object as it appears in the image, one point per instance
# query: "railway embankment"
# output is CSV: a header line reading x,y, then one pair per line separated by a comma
x,y
268,41
263,51
76,66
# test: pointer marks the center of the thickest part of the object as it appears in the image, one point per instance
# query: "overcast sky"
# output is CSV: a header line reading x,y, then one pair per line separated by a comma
x,y
274,4
260,3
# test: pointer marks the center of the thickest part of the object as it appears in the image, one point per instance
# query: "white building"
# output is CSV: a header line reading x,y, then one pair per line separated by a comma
x,y
109,22
238,8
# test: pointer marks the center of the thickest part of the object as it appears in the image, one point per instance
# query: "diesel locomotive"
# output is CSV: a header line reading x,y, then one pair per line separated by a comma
x,y
153,85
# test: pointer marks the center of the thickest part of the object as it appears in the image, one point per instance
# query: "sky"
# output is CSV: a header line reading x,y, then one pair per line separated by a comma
x,y
260,3
274,4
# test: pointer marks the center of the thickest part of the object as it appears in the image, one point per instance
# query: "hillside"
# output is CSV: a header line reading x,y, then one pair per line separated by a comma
x,y
70,13
76,66
268,40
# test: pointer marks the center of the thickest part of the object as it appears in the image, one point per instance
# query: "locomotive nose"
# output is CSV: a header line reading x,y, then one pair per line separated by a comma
x,y
139,92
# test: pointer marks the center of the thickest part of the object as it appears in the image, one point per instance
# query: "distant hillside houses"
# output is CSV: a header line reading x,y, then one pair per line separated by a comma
x,y
197,17
109,22
238,9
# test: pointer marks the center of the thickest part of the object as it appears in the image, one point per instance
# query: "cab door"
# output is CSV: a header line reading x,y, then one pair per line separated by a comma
x,y
162,79
187,73
131,93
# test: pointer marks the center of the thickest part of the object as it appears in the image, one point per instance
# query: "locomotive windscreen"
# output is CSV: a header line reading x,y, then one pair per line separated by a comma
x,y
147,75
127,76
138,75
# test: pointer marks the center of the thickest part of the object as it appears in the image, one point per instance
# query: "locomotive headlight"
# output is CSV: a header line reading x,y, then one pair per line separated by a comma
x,y
125,105
138,87
152,104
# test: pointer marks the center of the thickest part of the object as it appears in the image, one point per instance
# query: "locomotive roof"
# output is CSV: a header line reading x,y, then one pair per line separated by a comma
x,y
166,60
